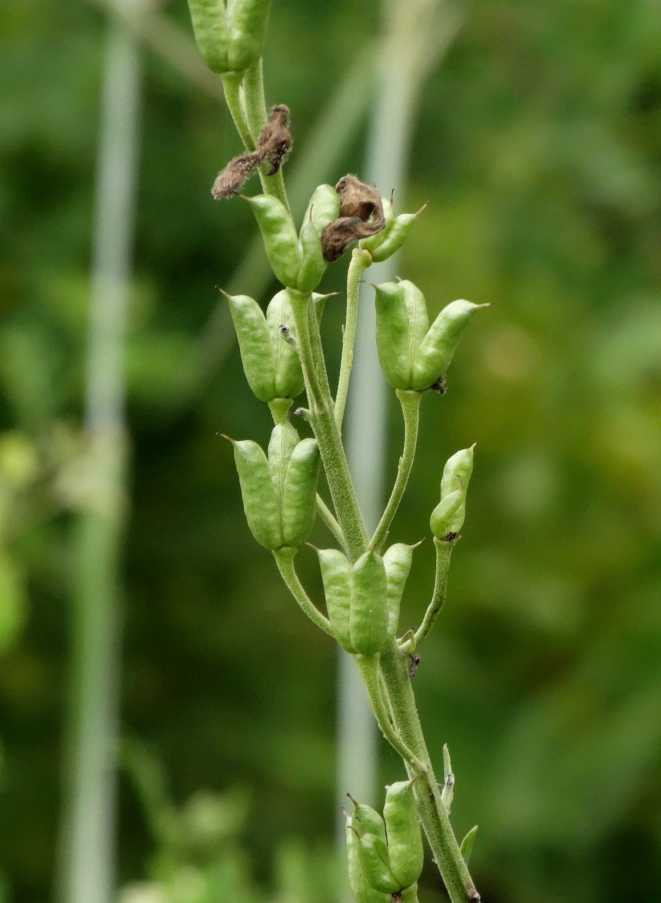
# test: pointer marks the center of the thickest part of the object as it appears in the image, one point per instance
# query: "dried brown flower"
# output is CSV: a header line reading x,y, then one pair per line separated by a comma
x,y
273,145
361,215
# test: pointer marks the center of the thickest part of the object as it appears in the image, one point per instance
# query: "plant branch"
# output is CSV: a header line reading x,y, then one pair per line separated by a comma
x,y
368,666
256,115
443,554
360,260
410,402
325,428
284,558
431,810
232,87
329,519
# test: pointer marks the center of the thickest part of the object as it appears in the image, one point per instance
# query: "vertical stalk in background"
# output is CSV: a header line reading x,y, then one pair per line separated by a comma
x,y
416,34
86,837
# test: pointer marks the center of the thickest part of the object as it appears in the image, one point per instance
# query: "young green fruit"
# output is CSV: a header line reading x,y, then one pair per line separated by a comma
x,y
397,561
279,236
448,517
361,890
211,33
248,21
405,850
412,354
271,365
356,600
279,492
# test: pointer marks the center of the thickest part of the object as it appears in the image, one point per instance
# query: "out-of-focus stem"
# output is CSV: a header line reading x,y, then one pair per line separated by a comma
x,y
86,838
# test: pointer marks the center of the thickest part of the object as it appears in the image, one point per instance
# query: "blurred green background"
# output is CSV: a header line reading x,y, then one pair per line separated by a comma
x,y
538,147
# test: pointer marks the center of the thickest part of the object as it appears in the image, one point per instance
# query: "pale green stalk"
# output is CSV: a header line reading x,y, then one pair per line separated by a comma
x,y
360,260
410,402
285,560
254,104
443,555
329,519
232,87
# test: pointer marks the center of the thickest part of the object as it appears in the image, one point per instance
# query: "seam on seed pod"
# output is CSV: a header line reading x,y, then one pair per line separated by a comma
x,y
273,146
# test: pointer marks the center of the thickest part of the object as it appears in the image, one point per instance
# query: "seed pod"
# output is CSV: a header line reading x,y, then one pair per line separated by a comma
x,y
362,891
255,345
248,23
404,837
401,325
279,235
288,377
282,443
369,612
456,476
436,350
409,894
313,265
299,496
373,241
377,872
443,517
395,237
323,207
336,577
368,820
211,33
260,501
397,562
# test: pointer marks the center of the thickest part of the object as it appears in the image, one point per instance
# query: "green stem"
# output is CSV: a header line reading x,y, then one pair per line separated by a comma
x,y
360,260
325,428
232,87
256,116
443,555
284,558
410,402
431,810
329,519
368,665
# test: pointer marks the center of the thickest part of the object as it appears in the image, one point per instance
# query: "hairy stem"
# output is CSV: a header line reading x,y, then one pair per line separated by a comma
x,y
431,810
368,665
325,428
284,558
360,260
232,87
410,402
443,555
256,115
328,518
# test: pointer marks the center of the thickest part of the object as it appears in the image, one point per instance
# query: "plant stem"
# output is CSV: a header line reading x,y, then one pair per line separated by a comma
x,y
410,402
325,428
368,665
285,560
360,260
432,812
443,555
232,87
329,519
256,116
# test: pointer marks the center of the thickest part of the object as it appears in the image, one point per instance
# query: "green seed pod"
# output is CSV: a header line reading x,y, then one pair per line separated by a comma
x,y
282,443
288,373
279,235
436,350
248,23
336,577
401,325
313,265
255,345
395,238
260,501
299,497
456,476
377,872
404,837
362,891
369,612
397,561
368,820
372,242
409,894
443,516
323,208
211,33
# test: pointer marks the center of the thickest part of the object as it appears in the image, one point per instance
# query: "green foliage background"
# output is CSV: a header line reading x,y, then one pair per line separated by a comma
x,y
539,151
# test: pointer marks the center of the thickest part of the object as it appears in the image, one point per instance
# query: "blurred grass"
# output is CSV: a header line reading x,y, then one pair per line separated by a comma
x,y
539,149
